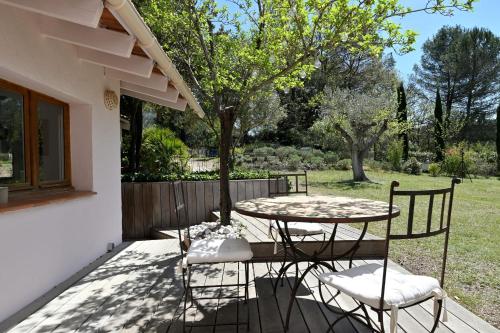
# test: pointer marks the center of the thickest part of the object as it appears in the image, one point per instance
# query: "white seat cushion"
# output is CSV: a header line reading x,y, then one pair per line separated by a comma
x,y
218,250
364,283
300,228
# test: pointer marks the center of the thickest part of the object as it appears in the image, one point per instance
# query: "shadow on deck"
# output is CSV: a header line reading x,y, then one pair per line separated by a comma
x,y
138,289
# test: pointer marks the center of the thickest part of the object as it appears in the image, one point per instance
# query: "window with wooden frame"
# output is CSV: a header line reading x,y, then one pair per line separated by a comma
x,y
34,140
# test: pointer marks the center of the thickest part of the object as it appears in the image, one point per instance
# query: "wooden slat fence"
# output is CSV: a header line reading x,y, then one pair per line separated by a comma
x,y
146,206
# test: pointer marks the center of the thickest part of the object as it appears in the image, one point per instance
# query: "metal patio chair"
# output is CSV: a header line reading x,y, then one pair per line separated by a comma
x,y
209,251
278,185
383,289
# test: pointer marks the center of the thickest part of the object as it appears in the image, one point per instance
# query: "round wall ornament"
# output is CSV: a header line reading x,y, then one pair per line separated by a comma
x,y
110,99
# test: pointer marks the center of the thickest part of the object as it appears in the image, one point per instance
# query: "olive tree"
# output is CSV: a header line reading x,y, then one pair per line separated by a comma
x,y
361,117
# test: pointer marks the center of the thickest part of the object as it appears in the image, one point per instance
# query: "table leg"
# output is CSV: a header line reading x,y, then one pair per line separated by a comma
x,y
313,260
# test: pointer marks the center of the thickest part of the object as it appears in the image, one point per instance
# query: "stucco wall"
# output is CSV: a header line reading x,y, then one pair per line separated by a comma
x,y
40,247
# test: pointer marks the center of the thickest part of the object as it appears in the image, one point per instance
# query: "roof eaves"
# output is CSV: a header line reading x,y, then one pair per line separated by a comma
x,y
147,40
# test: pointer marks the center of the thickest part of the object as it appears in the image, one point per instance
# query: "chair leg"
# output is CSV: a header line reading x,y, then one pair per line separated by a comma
x,y
285,256
368,321
184,310
438,315
247,275
380,314
185,284
189,290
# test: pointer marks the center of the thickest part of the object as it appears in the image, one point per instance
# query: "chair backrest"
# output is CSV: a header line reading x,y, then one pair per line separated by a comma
x,y
278,183
444,198
180,212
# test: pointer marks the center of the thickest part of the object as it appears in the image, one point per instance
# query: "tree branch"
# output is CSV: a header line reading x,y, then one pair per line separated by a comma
x,y
281,73
375,137
344,134
439,9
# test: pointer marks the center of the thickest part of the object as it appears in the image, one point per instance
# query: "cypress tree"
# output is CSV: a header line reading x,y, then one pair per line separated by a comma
x,y
438,128
402,117
498,139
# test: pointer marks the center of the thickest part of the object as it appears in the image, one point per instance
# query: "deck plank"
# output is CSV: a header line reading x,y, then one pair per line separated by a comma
x,y
57,312
130,310
140,290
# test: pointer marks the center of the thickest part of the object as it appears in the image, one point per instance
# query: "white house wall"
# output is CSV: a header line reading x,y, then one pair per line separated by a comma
x,y
42,246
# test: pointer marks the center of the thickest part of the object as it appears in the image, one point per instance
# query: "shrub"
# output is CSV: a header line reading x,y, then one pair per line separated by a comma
x,y
285,157
378,165
305,153
284,152
316,163
478,159
263,151
434,169
483,168
293,162
395,154
162,152
330,158
423,156
344,164
412,166
193,176
452,164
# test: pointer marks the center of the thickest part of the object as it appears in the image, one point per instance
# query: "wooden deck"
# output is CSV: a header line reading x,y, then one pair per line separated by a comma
x,y
256,232
138,289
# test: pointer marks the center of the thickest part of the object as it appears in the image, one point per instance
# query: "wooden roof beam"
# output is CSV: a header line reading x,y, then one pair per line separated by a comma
x,y
136,65
171,94
155,81
86,12
103,40
179,105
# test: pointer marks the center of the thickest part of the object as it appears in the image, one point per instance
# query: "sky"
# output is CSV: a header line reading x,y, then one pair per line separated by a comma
x,y
486,14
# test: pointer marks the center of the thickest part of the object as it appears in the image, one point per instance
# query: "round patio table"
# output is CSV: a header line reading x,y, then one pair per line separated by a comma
x,y
319,209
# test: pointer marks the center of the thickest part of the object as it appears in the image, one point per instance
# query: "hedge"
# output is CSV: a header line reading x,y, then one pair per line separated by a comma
x,y
193,176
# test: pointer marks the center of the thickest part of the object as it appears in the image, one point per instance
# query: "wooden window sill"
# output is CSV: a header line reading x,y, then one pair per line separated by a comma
x,y
19,201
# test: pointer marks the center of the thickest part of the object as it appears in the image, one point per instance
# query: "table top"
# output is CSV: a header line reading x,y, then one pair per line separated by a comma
x,y
324,209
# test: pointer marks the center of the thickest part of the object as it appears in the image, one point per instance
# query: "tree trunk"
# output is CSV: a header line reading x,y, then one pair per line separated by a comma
x,y
438,128
357,158
133,108
498,139
449,104
226,135
402,116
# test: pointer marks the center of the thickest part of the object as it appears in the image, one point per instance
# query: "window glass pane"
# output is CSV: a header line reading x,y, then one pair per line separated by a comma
x,y
12,166
51,141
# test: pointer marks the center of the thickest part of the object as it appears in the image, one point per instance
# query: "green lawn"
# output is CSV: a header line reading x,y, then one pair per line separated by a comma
x,y
473,274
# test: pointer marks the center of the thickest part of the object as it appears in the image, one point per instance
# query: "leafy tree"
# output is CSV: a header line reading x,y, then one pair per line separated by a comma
x,y
187,126
361,118
438,67
228,57
264,113
498,138
302,107
402,116
131,109
395,152
438,128
162,152
480,60
354,108
465,65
